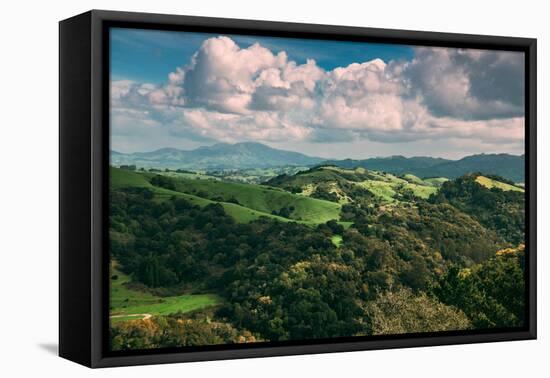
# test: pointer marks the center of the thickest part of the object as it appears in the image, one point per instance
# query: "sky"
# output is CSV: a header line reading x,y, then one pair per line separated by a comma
x,y
330,99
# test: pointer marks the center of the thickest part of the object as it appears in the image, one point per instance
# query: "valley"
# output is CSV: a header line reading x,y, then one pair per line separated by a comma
x,y
213,251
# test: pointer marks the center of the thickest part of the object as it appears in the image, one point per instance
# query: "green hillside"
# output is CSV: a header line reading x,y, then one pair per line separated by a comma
x,y
123,179
424,263
263,199
341,185
501,210
131,304
244,202
413,179
436,181
388,187
491,183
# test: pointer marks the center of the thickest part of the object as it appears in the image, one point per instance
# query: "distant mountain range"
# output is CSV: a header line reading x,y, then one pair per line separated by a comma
x,y
511,167
256,155
219,156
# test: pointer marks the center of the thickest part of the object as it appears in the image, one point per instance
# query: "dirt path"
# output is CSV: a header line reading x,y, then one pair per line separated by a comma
x,y
144,316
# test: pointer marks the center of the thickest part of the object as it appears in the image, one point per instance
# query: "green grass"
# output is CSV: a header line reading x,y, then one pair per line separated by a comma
x,y
264,199
386,186
244,215
490,183
337,240
382,189
240,213
124,318
132,303
413,179
121,178
345,224
436,181
422,191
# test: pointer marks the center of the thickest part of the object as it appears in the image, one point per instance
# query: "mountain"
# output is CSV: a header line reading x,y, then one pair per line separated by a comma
x,y
511,167
219,156
249,155
394,164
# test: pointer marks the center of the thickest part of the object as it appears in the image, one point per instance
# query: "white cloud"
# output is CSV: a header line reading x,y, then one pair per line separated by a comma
x,y
228,93
221,75
258,126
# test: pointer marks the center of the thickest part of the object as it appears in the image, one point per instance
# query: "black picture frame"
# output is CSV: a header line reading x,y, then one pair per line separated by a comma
x,y
83,181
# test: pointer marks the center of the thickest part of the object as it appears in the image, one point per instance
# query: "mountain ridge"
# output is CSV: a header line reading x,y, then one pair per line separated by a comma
x,y
509,166
246,155
218,156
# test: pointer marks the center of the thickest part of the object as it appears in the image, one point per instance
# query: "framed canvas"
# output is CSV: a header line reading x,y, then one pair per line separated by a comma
x,y
234,188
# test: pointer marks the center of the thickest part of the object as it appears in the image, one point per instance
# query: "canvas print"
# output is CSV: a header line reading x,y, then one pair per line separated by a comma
x,y
268,190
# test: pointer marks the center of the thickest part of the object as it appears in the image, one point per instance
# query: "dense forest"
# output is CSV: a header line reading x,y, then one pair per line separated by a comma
x,y
423,258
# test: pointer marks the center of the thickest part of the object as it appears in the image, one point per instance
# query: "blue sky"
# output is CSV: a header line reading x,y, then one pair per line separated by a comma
x,y
149,55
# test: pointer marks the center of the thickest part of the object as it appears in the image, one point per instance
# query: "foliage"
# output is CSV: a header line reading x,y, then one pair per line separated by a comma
x,y
403,312
131,298
496,209
358,185
376,267
491,293
322,193
164,182
165,332
261,198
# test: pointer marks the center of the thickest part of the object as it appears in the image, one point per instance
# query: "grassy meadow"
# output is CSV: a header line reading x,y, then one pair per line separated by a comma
x,y
133,304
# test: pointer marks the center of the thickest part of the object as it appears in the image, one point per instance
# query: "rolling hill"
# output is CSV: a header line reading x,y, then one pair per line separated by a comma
x,y
348,185
121,178
262,198
492,183
244,202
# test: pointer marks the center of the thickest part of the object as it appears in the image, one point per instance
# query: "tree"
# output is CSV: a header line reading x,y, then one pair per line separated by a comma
x,y
492,294
403,312
417,276
128,167
163,182
336,228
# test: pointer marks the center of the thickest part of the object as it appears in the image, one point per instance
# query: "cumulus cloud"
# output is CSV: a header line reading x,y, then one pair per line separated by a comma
x,y
228,93
468,84
258,126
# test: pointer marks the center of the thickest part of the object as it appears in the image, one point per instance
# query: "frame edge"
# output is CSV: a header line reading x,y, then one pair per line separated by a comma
x,y
98,17
74,191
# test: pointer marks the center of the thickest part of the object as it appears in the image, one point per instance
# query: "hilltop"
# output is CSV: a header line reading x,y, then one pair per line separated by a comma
x,y
351,185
